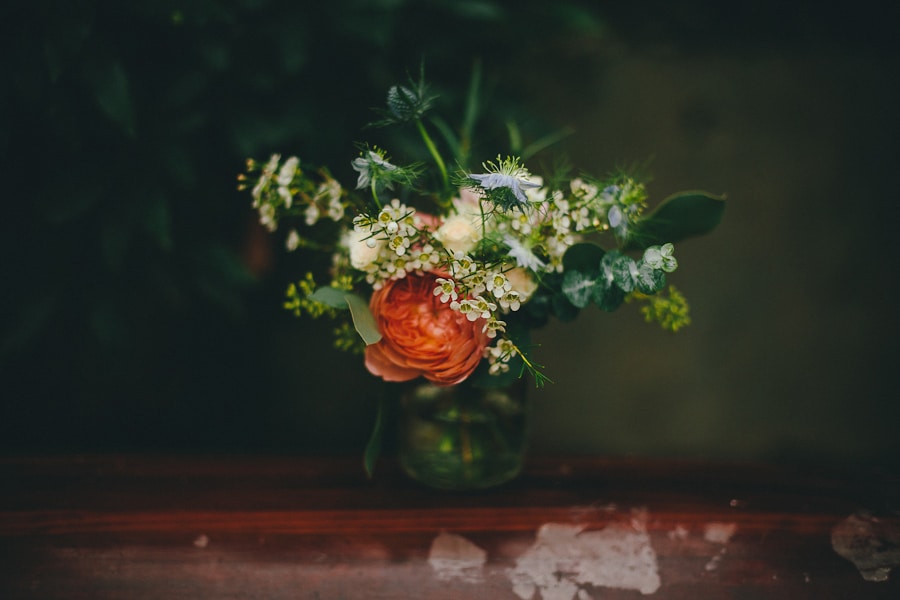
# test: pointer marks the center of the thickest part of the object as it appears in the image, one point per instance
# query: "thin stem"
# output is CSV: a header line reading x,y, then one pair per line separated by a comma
x,y
375,194
434,152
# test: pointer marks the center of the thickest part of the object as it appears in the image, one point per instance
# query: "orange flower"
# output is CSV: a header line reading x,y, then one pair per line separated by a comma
x,y
422,335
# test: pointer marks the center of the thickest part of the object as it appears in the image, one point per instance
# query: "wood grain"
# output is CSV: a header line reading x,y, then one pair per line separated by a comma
x,y
136,527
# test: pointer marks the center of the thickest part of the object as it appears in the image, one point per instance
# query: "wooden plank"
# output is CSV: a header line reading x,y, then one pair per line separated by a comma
x,y
137,527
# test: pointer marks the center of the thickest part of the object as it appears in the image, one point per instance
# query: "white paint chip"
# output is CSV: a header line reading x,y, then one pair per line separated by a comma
x,y
719,533
871,544
453,557
201,541
565,557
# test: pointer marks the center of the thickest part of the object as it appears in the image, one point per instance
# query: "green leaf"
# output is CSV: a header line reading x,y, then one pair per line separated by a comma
x,y
373,446
583,257
624,271
111,92
363,321
449,137
607,295
680,216
578,288
649,280
333,297
545,142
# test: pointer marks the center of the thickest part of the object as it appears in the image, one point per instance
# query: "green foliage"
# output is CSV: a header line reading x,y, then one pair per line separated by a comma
x,y
373,446
363,320
671,312
680,216
606,282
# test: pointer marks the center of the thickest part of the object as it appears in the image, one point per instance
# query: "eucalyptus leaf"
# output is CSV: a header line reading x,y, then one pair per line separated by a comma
x,y
583,257
649,280
680,216
578,288
333,297
363,321
607,295
563,310
624,271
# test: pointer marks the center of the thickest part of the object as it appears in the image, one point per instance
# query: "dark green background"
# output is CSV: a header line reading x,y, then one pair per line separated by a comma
x,y
141,308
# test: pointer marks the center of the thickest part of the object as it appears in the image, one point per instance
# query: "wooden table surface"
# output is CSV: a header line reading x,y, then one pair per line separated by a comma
x,y
173,527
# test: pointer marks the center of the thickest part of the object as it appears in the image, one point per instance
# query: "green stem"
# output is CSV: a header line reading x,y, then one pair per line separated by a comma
x,y
375,194
434,152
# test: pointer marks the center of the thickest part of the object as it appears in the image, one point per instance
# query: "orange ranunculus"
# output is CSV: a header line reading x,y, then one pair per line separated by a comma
x,y
422,335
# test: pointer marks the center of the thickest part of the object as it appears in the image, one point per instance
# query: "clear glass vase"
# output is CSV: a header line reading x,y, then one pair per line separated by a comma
x,y
461,437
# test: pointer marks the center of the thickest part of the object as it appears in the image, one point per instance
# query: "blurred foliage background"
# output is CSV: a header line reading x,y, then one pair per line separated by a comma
x,y
141,301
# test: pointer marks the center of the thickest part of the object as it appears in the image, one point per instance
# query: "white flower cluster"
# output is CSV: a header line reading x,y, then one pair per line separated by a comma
x,y
276,191
390,244
489,249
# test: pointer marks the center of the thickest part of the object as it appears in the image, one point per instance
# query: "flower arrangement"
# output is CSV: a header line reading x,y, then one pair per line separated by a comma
x,y
441,272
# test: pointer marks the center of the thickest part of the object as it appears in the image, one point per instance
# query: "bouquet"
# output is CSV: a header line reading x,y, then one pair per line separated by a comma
x,y
441,268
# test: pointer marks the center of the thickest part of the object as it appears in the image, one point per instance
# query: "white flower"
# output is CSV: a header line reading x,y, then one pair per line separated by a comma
x,y
459,233
521,282
364,165
492,181
462,264
510,301
267,217
446,289
264,179
363,248
288,169
293,240
497,284
312,214
522,254
286,197
493,326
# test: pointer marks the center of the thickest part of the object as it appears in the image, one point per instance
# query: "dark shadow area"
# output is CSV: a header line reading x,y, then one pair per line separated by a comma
x,y
141,302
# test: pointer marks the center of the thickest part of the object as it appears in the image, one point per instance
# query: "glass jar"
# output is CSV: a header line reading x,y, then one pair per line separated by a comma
x,y
462,437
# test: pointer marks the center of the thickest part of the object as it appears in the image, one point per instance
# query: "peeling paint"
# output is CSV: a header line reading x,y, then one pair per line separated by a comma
x,y
201,541
719,533
871,544
453,557
679,533
565,557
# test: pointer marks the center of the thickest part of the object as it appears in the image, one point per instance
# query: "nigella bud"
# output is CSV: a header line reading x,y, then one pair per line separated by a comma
x,y
402,102
615,216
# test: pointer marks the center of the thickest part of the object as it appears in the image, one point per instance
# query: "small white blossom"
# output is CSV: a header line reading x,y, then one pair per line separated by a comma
x,y
267,172
267,217
523,255
462,264
446,289
459,233
363,248
498,284
286,196
287,172
293,240
521,282
493,326
364,164
510,301
492,181
311,214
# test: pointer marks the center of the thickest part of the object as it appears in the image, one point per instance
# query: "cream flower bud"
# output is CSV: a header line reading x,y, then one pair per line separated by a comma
x,y
363,252
459,233
521,282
